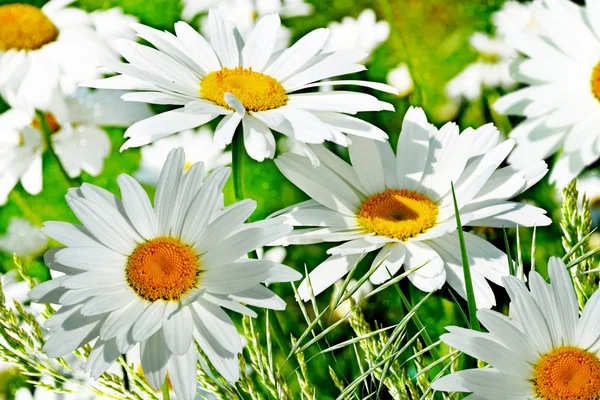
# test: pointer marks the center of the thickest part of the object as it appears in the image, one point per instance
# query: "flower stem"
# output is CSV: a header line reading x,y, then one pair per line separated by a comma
x,y
165,389
238,165
47,134
238,172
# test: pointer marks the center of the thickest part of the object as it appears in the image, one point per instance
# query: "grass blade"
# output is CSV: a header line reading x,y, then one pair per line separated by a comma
x,y
466,268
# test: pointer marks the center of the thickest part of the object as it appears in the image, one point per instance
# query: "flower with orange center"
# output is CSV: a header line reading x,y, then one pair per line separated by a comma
x,y
252,84
545,350
400,214
568,373
159,275
54,46
399,205
24,27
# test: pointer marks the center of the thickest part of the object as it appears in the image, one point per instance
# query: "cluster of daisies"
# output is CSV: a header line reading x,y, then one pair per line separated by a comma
x,y
156,277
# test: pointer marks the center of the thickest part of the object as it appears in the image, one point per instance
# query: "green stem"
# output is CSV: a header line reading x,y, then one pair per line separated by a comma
x,y
238,172
47,135
165,390
238,165
466,269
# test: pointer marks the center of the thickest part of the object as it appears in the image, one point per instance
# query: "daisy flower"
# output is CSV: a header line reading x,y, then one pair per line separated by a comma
x,y
44,48
514,18
23,239
198,145
561,65
243,83
159,276
363,33
544,350
76,136
401,206
490,71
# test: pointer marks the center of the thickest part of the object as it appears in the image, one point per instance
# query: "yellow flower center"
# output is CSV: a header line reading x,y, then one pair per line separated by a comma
x,y
51,120
596,81
568,373
162,268
399,214
256,91
24,27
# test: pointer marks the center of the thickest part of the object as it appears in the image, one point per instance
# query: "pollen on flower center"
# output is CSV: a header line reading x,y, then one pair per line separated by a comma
x,y
162,268
568,373
51,120
596,81
399,214
256,91
24,27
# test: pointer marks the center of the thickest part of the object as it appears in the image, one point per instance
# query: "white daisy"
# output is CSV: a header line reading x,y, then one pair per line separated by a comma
x,y
364,33
562,103
198,145
21,149
23,239
76,136
159,276
245,84
490,71
514,18
401,79
400,205
544,350
44,48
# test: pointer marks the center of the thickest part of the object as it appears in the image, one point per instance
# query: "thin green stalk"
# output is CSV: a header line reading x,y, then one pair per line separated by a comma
x,y
466,268
238,165
165,390
47,133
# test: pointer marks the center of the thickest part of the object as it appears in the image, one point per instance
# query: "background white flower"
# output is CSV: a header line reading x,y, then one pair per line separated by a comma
x,y
401,79
198,145
76,136
23,239
364,33
490,71
400,205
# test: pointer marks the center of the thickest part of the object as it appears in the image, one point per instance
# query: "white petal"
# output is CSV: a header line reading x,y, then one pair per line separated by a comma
x,y
154,356
326,274
394,254
222,39
432,275
177,327
413,146
259,45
